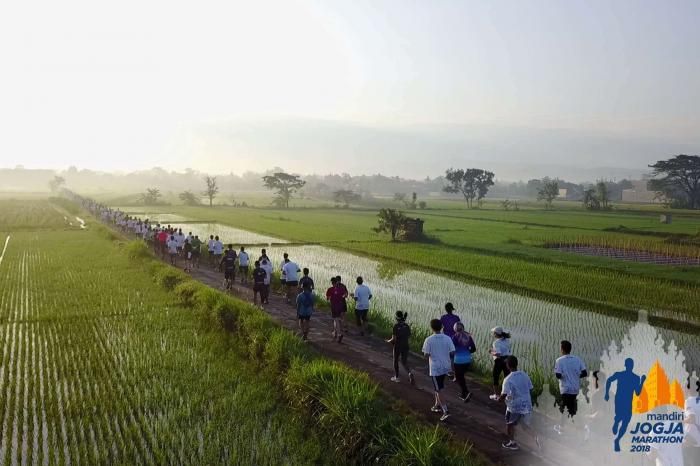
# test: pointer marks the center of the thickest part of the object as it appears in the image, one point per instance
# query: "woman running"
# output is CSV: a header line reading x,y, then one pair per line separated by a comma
x,y
500,350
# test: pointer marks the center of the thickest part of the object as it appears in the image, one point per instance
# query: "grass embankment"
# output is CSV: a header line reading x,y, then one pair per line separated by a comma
x,y
343,406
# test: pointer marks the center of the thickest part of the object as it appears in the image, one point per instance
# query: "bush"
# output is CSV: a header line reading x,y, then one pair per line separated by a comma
x,y
226,311
282,348
186,292
169,278
137,249
343,403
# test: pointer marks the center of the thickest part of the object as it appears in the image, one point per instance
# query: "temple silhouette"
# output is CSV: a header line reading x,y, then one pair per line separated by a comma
x,y
658,391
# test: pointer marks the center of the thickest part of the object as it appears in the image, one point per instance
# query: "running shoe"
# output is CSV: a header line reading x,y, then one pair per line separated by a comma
x,y
558,429
444,417
436,409
395,379
466,397
411,378
494,397
510,445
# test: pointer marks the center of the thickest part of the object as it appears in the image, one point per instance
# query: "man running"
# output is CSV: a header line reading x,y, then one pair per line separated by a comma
x,y
291,273
362,295
400,335
305,308
196,250
569,370
336,297
219,250
187,251
172,250
266,265
306,280
243,261
516,393
628,385
210,249
163,238
259,288
438,348
283,276
228,262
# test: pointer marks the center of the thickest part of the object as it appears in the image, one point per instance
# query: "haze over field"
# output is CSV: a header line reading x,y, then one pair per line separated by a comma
x,y
580,90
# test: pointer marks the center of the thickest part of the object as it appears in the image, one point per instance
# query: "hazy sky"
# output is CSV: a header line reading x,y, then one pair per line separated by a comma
x,y
406,87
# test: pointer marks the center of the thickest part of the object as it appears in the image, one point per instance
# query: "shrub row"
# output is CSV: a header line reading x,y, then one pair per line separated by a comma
x,y
342,404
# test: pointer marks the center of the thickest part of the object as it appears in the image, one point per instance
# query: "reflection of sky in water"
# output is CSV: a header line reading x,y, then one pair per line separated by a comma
x,y
537,326
226,233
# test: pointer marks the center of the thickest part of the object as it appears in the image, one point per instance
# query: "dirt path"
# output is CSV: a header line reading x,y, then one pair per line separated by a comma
x,y
480,421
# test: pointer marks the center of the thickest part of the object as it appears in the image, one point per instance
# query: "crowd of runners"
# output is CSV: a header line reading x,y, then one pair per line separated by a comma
x,y
449,349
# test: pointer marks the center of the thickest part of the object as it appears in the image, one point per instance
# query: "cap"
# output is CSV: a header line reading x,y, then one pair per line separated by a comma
x,y
497,330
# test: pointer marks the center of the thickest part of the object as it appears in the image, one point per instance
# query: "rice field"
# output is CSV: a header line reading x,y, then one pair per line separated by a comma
x,y
99,366
227,233
537,326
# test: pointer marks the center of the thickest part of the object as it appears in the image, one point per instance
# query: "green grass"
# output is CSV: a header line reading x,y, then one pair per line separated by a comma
x,y
504,249
109,356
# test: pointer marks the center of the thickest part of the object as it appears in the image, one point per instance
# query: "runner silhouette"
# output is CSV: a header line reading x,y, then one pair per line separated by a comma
x,y
628,384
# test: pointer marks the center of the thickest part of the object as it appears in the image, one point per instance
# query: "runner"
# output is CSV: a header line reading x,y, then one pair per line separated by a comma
x,y
290,271
196,250
569,370
305,308
219,250
345,294
306,280
400,335
163,238
180,238
267,266
187,250
172,250
263,255
228,262
438,348
464,347
243,261
362,295
336,297
449,320
259,287
516,393
283,277
210,249
500,350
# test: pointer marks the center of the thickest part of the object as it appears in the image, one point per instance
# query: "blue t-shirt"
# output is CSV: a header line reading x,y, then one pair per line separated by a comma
x,y
464,345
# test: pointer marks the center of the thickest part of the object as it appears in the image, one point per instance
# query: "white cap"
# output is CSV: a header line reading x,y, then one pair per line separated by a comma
x,y
497,330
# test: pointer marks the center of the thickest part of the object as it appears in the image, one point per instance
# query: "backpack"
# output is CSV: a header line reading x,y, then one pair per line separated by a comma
x,y
403,332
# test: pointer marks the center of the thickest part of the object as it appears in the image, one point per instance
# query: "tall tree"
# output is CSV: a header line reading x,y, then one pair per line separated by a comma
x,y
212,189
284,185
548,192
601,190
390,221
189,198
56,183
472,183
590,199
679,179
151,196
400,197
346,196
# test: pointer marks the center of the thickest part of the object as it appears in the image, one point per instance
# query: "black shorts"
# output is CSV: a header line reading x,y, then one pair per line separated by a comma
x,y
243,269
292,284
195,253
361,315
259,287
300,317
229,274
438,382
569,403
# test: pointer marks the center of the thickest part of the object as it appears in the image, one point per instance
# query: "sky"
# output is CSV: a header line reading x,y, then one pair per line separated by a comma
x,y
405,88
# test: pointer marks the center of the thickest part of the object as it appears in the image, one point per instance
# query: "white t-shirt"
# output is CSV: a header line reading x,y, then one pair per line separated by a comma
x,y
243,259
439,346
570,368
291,271
517,388
501,346
172,246
218,247
267,267
362,295
210,245
180,238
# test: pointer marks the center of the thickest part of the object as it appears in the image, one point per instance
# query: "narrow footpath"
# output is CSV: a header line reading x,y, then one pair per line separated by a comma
x,y
481,421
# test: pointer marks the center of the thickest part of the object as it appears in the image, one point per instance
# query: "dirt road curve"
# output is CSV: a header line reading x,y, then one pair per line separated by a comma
x,y
480,421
